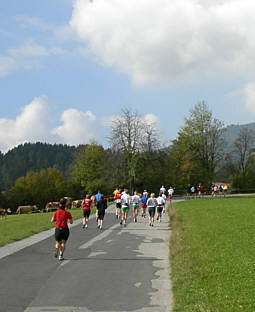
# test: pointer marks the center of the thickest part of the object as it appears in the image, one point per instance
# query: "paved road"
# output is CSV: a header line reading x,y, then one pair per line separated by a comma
x,y
118,269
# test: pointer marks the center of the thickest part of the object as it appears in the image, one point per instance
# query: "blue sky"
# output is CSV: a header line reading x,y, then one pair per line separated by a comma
x,y
68,67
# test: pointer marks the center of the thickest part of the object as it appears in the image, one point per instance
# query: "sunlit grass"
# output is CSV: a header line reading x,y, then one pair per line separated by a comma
x,y
17,227
213,255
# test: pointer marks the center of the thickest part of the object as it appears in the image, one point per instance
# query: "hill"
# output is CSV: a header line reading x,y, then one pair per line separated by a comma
x,y
34,157
232,131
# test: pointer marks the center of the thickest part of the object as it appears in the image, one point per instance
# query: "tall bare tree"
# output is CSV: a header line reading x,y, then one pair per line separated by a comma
x,y
132,134
243,148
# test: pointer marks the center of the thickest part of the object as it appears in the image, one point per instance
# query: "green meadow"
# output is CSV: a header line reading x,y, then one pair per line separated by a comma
x,y
212,254
17,227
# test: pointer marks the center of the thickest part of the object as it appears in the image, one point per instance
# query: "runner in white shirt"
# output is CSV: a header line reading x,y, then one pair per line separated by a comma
x,y
164,197
145,193
161,203
135,205
125,202
170,192
162,189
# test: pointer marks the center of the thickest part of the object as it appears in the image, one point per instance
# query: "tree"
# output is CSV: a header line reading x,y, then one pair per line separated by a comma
x,y
88,169
37,188
200,139
131,135
243,149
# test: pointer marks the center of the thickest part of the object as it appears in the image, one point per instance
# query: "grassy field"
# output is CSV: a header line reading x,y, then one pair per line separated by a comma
x,y
212,253
17,227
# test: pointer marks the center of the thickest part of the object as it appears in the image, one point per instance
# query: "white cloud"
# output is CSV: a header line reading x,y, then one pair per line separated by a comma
x,y
29,50
77,128
168,40
7,65
33,124
34,22
29,126
249,97
151,119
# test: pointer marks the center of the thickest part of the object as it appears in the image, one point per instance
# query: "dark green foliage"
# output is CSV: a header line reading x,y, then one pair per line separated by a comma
x,y
34,157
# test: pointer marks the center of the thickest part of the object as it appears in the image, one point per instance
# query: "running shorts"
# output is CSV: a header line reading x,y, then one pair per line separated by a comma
x,y
170,197
125,208
152,211
135,206
101,214
118,205
86,213
160,209
61,234
144,206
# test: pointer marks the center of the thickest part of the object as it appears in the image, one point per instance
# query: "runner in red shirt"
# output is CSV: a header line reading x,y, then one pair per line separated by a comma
x,y
61,217
86,206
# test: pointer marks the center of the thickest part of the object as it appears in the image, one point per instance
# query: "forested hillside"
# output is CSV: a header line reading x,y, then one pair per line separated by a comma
x,y
34,157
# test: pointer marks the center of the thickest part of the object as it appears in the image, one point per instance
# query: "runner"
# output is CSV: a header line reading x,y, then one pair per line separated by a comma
x,y
143,205
162,190
145,193
117,198
152,204
115,191
86,206
125,201
101,206
97,198
201,190
225,190
170,192
164,206
161,203
135,205
61,217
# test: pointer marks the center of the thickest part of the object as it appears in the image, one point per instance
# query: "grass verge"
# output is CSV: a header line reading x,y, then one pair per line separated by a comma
x,y
17,227
212,255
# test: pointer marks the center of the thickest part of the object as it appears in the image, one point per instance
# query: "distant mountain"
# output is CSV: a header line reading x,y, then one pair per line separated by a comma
x,y
232,131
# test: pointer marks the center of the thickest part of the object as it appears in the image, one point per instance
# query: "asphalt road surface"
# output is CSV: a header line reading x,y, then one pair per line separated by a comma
x,y
117,269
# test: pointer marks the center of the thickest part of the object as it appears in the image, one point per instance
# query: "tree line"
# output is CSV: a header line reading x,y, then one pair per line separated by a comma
x,y
136,159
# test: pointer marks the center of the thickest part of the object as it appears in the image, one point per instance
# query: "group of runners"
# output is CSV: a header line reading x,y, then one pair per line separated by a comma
x,y
198,190
123,202
155,205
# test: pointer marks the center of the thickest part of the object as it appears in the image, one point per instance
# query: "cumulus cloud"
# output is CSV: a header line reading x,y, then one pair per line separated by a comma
x,y
168,40
34,124
29,126
77,127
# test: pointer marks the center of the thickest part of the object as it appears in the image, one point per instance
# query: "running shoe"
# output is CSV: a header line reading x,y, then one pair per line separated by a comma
x,y
60,258
83,226
86,226
55,253
120,222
